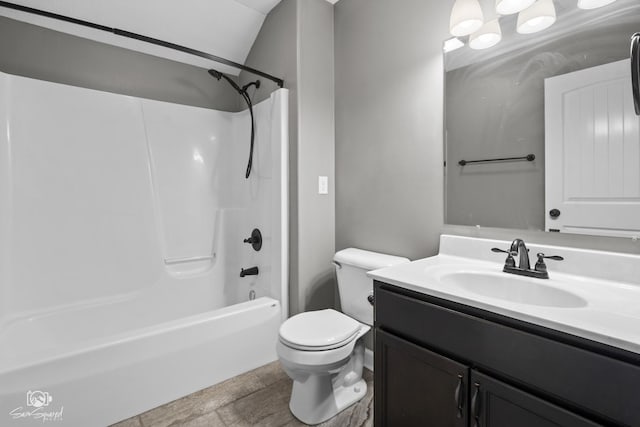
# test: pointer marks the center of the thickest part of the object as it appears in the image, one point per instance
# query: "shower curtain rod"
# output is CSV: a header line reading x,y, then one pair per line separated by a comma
x,y
140,37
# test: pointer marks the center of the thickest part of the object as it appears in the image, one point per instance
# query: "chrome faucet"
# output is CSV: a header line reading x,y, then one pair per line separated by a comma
x,y
519,249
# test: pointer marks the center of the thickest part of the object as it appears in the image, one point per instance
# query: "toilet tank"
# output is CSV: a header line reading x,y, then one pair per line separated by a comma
x,y
354,286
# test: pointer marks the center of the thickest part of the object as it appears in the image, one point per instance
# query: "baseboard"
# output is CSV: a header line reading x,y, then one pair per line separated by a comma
x,y
368,359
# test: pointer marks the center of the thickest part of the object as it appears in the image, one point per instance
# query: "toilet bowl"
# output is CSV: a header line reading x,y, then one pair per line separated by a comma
x,y
327,372
323,351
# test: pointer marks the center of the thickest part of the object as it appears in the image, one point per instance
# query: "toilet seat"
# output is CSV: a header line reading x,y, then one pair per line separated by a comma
x,y
319,330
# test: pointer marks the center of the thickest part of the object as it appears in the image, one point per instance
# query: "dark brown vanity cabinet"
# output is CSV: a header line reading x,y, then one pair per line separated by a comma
x,y
440,364
409,375
421,388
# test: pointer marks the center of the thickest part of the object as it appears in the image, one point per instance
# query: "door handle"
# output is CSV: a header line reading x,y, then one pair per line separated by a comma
x,y
475,405
458,396
635,70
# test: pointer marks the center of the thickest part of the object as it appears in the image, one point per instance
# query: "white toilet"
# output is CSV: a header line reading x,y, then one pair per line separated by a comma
x,y
323,351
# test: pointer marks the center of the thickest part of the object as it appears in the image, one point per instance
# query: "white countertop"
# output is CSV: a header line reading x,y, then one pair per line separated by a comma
x,y
611,310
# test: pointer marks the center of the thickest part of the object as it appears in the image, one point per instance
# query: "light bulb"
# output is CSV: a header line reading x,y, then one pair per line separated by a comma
x,y
489,35
593,4
509,7
466,17
537,17
452,44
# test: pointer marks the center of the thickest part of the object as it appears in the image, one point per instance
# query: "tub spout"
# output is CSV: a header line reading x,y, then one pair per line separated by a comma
x,y
253,271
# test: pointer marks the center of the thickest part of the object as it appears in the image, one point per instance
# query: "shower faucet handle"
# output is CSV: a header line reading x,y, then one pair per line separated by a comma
x,y
255,240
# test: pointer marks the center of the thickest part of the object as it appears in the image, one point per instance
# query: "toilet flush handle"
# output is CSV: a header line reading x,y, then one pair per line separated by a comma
x,y
337,264
371,299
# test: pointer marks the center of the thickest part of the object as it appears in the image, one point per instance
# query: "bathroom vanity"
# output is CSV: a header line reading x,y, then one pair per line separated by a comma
x,y
460,343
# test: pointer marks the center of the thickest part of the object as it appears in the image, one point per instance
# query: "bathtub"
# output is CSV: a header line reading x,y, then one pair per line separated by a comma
x,y
122,227
95,380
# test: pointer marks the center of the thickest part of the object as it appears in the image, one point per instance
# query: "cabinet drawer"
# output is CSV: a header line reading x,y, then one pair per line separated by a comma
x,y
586,381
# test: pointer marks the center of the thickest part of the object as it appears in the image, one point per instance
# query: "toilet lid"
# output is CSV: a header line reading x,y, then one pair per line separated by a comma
x,y
319,330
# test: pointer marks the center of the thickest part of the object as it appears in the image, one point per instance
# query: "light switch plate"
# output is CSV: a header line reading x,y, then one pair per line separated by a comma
x,y
323,185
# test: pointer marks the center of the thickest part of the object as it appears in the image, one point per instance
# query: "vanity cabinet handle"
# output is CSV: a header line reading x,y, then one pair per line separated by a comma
x,y
458,396
475,405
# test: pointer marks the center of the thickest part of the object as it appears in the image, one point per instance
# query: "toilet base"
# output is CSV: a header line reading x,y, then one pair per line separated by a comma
x,y
320,395
314,401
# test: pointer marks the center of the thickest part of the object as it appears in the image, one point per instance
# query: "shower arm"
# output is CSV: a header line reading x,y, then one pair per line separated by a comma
x,y
248,85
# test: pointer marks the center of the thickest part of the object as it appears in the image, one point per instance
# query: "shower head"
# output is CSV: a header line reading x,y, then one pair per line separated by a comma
x,y
218,75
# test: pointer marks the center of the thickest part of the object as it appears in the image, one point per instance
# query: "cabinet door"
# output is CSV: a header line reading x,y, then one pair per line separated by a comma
x,y
495,404
416,387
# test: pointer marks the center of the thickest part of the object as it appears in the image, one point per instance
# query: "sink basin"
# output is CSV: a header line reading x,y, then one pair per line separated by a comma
x,y
512,288
591,294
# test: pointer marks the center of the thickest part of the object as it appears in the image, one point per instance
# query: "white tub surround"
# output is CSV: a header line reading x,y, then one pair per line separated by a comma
x,y
122,223
591,294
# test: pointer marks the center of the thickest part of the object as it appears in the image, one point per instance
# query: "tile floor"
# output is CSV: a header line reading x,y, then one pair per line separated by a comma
x,y
257,398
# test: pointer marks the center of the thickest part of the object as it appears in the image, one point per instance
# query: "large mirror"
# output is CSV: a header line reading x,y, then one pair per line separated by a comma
x,y
556,105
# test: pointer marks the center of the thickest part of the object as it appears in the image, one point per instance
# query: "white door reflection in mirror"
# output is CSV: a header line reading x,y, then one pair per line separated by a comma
x,y
592,146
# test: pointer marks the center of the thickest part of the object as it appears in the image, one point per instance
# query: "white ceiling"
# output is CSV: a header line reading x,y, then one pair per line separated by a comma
x,y
226,28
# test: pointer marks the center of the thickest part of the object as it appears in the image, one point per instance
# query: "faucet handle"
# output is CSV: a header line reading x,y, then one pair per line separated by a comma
x,y
255,240
541,266
542,256
502,251
509,262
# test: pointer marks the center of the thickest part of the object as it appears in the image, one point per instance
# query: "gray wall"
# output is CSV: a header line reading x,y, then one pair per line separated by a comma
x,y
31,51
275,52
316,155
389,125
389,109
296,43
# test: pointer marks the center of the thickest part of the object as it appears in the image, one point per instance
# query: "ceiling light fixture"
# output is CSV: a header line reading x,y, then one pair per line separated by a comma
x,y
539,16
489,35
452,44
466,17
509,7
593,4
